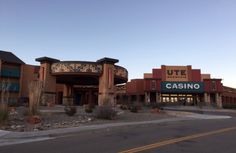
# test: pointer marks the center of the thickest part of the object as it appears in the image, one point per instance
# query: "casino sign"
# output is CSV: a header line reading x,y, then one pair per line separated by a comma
x,y
182,87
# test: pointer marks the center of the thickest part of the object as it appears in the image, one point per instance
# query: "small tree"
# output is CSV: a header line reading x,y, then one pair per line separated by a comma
x,y
35,94
4,88
106,111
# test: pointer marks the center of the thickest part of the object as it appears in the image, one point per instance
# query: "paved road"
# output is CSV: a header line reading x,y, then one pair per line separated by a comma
x,y
162,136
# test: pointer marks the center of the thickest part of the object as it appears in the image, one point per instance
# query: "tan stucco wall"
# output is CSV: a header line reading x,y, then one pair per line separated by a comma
x,y
147,75
205,76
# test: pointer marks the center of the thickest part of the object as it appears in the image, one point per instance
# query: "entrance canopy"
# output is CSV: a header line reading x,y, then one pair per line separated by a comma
x,y
84,73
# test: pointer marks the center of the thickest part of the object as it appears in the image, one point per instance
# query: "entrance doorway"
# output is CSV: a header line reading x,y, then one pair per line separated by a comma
x,y
77,100
185,99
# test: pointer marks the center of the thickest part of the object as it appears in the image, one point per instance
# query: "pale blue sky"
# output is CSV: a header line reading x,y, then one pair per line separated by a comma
x,y
142,34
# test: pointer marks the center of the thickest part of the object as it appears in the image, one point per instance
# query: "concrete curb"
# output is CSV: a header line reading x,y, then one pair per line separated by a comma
x,y
58,132
196,115
3,133
198,109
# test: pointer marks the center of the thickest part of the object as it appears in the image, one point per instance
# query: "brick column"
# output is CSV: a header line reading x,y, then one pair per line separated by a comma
x,y
90,98
68,95
147,97
207,98
158,97
218,100
49,81
106,82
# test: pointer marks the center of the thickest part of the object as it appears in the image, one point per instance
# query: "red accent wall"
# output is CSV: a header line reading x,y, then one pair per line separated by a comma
x,y
157,73
210,86
148,85
136,86
195,75
163,68
189,71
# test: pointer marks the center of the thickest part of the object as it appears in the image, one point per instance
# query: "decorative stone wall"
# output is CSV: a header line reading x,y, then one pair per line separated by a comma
x,y
63,67
120,72
68,101
48,98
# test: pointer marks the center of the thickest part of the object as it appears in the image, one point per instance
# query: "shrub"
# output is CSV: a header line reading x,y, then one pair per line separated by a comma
x,y
123,107
134,109
70,110
106,112
88,108
3,115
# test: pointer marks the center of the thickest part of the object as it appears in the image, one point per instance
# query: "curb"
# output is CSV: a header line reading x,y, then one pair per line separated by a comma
x,y
178,116
62,131
196,115
197,109
3,133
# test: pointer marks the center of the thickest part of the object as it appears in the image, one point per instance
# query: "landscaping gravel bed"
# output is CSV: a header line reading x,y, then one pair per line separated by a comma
x,y
55,117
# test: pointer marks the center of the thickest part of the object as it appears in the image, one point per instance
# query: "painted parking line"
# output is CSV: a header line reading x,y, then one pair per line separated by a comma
x,y
176,140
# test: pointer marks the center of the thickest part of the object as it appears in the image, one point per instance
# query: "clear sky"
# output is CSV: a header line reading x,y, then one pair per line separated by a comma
x,y
142,34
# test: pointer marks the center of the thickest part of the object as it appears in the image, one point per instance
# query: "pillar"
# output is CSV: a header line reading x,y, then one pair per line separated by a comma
x,y
207,98
90,98
158,97
106,82
147,97
49,81
68,95
218,100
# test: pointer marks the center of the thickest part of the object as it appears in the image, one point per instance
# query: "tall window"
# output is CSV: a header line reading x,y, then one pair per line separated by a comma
x,y
153,85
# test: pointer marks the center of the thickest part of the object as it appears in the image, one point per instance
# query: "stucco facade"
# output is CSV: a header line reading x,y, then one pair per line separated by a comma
x,y
179,84
65,82
95,83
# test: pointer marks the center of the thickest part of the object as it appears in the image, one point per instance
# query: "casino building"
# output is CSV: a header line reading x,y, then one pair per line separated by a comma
x,y
75,82
95,82
180,84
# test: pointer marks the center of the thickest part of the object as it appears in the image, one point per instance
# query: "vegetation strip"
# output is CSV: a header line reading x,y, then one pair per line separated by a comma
x,y
171,141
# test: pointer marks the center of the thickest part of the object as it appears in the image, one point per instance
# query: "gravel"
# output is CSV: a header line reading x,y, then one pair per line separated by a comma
x,y
55,117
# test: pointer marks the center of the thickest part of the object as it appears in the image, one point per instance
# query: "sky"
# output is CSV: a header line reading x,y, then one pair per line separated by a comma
x,y
142,34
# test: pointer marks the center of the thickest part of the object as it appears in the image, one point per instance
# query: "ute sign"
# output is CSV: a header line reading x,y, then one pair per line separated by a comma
x,y
186,87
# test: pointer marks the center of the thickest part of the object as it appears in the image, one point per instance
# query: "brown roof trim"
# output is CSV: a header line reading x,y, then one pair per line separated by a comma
x,y
46,59
9,57
108,60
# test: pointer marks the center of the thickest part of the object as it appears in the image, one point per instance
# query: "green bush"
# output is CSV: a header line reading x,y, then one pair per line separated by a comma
x,y
134,109
229,106
70,110
106,112
88,108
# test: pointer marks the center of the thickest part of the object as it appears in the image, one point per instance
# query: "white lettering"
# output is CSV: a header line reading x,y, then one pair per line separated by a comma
x,y
168,86
183,86
196,86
